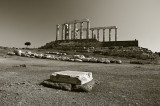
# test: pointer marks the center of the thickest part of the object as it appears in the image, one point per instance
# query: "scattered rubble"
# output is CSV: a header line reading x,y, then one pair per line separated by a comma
x,y
11,53
63,57
18,52
118,61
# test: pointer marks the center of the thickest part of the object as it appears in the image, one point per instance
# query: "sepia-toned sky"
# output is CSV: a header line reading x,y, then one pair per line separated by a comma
x,y
35,20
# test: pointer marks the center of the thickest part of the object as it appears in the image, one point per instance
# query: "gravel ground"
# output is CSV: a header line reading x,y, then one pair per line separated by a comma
x,y
116,84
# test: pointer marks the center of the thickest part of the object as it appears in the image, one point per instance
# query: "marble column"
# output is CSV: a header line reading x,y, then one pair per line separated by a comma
x,y
75,28
92,34
95,36
66,32
81,30
109,35
62,32
104,35
88,30
98,34
57,32
70,31
65,27
115,34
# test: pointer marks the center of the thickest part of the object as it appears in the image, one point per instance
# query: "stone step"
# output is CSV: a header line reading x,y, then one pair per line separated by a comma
x,y
71,77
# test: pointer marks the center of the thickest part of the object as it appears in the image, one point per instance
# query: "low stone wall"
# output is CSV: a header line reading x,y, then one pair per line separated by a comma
x,y
76,40
68,44
121,43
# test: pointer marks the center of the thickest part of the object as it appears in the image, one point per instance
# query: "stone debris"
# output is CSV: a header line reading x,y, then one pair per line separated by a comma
x,y
39,56
46,56
11,53
107,61
119,62
23,54
101,60
63,57
18,52
71,81
94,60
72,77
78,56
77,60
86,59
71,60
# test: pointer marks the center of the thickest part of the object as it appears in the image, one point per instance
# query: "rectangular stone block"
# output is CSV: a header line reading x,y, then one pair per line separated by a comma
x,y
71,77
87,87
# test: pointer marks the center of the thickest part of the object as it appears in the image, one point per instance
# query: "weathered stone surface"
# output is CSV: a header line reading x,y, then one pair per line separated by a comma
x,y
71,77
23,54
64,86
78,56
77,60
85,87
94,60
71,60
65,58
107,61
101,60
119,62
11,53
69,87
18,52
86,59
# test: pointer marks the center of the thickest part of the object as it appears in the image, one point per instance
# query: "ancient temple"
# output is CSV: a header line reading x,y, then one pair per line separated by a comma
x,y
69,34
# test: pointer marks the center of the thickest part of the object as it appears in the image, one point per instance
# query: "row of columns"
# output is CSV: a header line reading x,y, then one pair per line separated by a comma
x,y
93,37
67,30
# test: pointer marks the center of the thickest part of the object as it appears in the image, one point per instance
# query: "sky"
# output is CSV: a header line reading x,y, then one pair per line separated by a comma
x,y
35,20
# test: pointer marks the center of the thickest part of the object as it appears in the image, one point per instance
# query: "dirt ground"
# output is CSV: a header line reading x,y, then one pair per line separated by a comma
x,y
116,84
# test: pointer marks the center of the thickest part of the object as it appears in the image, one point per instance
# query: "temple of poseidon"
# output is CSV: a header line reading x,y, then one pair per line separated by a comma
x,y
70,31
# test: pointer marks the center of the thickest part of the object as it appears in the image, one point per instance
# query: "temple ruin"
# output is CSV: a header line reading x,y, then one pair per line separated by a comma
x,y
69,34
78,33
